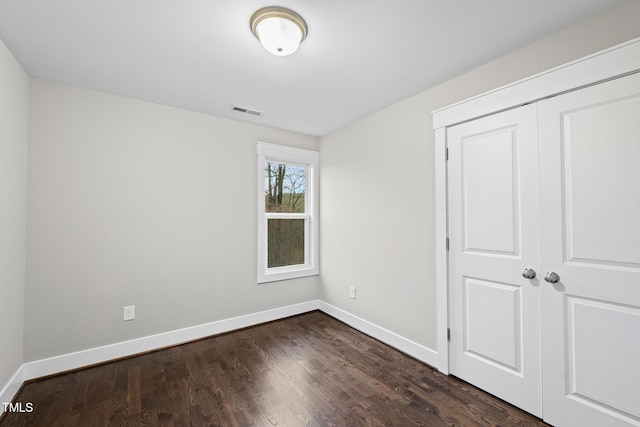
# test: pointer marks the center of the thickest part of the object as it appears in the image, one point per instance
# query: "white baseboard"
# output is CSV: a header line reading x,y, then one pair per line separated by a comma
x,y
11,388
66,362
79,359
420,352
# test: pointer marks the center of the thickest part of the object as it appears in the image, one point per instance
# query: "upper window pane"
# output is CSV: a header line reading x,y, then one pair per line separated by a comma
x,y
284,187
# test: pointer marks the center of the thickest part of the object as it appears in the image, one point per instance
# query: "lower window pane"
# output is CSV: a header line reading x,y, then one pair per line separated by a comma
x,y
285,242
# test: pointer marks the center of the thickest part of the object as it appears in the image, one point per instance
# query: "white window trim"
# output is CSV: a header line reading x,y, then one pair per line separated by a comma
x,y
311,159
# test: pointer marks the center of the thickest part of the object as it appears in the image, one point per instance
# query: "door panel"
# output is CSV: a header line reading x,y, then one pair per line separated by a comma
x,y
493,231
589,149
495,339
488,193
592,344
601,158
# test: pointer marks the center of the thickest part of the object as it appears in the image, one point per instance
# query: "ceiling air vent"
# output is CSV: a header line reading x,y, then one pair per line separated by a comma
x,y
247,110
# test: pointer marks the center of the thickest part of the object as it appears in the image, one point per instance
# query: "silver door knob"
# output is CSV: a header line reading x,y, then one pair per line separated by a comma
x,y
552,277
529,273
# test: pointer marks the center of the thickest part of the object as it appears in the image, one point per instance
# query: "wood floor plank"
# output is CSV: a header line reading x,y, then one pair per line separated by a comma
x,y
307,370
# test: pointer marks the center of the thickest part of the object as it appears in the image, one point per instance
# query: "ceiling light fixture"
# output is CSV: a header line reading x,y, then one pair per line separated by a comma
x,y
280,30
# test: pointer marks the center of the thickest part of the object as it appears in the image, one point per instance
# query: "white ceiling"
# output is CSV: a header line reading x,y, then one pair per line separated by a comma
x,y
360,55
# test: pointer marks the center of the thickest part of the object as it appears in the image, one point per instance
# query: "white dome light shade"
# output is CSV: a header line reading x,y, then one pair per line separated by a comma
x,y
279,36
279,30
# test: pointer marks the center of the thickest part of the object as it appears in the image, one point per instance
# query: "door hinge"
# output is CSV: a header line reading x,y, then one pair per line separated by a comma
x,y
447,243
449,334
446,154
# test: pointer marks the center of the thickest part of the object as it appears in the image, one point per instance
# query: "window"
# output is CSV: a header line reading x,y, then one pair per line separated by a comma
x,y
287,212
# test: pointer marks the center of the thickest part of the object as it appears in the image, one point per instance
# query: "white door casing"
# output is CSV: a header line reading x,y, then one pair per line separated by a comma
x,y
493,231
589,143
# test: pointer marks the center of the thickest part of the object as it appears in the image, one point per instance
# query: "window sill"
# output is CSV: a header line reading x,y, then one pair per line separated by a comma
x,y
277,275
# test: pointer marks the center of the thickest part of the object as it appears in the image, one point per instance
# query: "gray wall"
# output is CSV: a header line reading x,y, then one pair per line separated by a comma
x,y
134,203
377,185
14,98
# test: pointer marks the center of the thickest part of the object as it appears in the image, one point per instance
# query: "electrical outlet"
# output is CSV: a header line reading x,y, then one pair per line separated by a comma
x,y
128,313
352,292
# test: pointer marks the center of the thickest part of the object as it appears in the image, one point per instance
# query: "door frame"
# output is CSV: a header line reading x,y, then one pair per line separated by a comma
x,y
610,63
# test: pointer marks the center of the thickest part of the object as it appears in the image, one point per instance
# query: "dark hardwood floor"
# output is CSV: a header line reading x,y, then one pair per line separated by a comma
x,y
307,370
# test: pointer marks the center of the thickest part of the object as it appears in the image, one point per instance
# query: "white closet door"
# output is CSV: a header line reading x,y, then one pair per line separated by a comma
x,y
590,223
493,231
